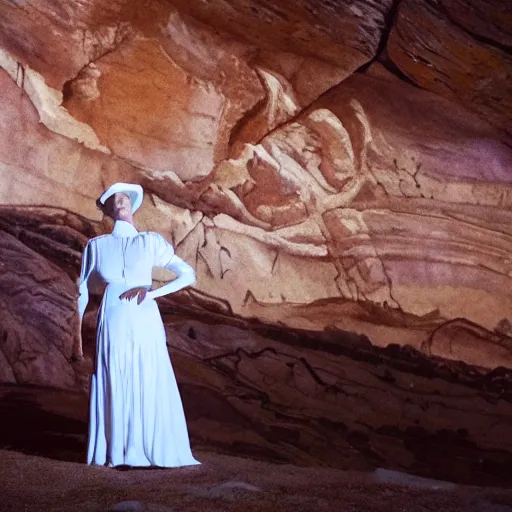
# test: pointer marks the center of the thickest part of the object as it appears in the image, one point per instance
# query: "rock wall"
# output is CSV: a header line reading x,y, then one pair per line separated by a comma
x,y
328,167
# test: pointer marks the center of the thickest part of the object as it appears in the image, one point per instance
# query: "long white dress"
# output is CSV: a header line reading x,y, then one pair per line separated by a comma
x,y
136,413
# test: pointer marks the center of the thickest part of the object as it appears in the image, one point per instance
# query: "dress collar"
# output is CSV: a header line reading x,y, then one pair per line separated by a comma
x,y
124,229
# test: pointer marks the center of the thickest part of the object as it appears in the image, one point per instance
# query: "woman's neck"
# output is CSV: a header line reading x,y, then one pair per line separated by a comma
x,y
124,228
125,218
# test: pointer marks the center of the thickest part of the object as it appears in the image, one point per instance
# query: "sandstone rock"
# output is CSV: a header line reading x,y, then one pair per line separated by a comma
x,y
37,327
306,398
317,399
489,20
193,90
447,48
316,205
339,190
161,128
329,31
428,169
335,218
385,476
348,186
42,168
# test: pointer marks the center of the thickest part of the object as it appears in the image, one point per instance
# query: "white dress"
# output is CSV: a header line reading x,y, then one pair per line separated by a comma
x,y
136,413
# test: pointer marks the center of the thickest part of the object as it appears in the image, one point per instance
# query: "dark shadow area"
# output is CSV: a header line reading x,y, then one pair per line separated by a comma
x,y
28,428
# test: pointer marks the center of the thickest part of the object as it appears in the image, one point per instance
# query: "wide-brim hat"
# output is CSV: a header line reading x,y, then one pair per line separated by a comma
x,y
133,191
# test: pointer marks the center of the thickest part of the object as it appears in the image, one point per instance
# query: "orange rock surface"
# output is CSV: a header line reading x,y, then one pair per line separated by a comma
x,y
324,166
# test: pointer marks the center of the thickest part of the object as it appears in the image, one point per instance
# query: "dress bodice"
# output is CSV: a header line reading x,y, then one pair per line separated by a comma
x,y
123,257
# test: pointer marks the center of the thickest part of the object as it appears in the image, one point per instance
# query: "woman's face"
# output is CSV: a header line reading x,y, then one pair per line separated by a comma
x,y
119,206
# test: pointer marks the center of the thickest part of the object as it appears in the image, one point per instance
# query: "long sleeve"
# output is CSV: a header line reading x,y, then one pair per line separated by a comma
x,y
83,299
85,273
164,256
186,277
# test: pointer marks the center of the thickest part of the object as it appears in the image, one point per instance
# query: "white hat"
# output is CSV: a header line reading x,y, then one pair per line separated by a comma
x,y
134,192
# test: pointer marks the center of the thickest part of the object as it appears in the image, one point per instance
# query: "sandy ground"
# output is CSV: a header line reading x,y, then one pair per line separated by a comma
x,y
223,483
42,448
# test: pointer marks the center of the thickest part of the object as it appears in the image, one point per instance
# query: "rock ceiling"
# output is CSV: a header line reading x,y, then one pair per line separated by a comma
x,y
294,151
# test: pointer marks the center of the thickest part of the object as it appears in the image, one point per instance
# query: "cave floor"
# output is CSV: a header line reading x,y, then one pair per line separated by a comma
x,y
42,444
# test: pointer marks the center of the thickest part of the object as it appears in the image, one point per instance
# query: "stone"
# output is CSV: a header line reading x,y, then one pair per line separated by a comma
x,y
385,476
338,174
446,48
37,328
38,166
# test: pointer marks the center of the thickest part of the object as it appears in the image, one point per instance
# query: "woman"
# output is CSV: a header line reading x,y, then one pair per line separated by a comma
x,y
136,414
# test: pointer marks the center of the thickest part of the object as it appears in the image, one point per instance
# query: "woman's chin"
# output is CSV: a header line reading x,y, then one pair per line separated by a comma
x,y
123,215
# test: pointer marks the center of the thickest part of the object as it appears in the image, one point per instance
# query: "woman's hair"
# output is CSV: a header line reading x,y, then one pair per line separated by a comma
x,y
107,207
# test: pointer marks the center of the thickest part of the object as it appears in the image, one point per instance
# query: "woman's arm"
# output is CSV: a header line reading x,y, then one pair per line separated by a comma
x,y
83,299
85,272
83,296
186,277
163,257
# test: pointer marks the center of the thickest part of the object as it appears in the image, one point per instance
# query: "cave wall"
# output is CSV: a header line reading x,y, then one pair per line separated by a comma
x,y
326,167
289,161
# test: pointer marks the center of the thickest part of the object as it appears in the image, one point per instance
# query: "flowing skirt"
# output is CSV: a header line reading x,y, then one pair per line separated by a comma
x,y
136,413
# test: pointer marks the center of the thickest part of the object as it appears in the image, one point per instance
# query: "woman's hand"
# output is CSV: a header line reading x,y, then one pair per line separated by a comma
x,y
139,292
